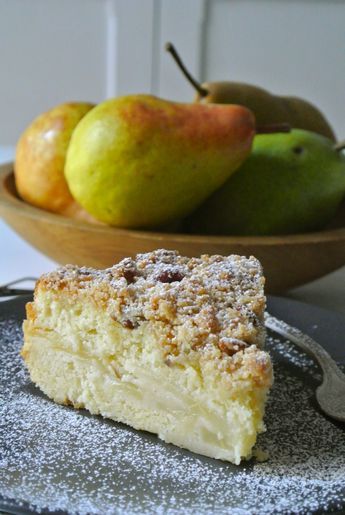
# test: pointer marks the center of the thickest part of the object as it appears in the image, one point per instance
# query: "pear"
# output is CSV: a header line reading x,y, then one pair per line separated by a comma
x,y
139,161
267,107
291,183
40,159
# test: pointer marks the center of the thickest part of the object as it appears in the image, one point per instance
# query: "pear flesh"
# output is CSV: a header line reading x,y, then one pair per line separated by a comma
x,y
291,183
139,161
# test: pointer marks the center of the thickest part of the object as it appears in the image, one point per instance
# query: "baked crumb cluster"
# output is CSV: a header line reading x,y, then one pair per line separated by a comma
x,y
211,303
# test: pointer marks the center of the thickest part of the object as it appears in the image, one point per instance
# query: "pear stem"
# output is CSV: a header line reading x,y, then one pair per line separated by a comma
x,y
272,128
339,146
203,92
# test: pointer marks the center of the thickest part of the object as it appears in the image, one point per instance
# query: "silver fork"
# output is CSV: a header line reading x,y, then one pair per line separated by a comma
x,y
6,290
331,393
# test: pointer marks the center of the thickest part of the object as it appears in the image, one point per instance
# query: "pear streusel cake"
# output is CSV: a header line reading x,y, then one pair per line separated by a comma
x,y
164,343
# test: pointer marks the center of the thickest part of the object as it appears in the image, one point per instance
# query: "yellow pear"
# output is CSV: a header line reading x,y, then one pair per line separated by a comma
x,y
140,161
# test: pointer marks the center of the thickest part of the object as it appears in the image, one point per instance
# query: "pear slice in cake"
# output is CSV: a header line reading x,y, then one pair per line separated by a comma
x,y
162,342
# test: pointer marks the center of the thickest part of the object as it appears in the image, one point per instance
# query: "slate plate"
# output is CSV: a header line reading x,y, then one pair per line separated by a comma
x,y
55,459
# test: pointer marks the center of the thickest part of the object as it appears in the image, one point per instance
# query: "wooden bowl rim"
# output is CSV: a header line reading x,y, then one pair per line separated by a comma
x,y
9,201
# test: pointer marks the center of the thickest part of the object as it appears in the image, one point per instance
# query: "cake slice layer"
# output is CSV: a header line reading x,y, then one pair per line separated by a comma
x,y
166,344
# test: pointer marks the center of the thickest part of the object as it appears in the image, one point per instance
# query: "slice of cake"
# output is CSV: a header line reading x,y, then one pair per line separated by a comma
x,y
164,343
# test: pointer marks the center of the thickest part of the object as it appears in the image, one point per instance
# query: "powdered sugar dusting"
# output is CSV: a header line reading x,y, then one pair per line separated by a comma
x,y
61,459
211,297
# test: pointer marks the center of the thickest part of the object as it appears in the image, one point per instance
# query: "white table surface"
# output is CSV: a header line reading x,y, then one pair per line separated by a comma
x,y
18,259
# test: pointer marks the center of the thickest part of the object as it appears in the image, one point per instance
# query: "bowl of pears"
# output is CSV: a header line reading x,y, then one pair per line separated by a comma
x,y
238,170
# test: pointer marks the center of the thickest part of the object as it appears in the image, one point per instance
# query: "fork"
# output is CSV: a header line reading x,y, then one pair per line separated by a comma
x,y
6,290
331,393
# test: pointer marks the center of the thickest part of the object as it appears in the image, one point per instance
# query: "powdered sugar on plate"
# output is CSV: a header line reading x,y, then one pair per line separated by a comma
x,y
56,458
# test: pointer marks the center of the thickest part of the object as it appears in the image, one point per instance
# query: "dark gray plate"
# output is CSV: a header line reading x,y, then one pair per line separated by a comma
x,y
54,459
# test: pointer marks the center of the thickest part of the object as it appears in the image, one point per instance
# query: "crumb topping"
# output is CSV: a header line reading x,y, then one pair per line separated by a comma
x,y
211,301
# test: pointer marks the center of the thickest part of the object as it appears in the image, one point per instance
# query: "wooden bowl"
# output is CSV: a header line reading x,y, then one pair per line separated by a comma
x,y
288,261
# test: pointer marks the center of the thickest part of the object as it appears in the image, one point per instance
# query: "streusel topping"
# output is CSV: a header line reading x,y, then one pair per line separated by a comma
x,y
206,301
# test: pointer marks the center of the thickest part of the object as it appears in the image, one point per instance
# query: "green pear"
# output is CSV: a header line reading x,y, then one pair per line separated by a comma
x,y
291,183
140,161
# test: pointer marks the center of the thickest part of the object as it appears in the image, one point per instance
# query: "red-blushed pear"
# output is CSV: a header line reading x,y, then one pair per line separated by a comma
x,y
140,161
40,160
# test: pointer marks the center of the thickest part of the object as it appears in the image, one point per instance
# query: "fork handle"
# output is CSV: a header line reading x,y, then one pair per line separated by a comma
x,y
305,342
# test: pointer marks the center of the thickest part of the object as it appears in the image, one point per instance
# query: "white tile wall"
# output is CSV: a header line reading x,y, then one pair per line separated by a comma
x,y
50,51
